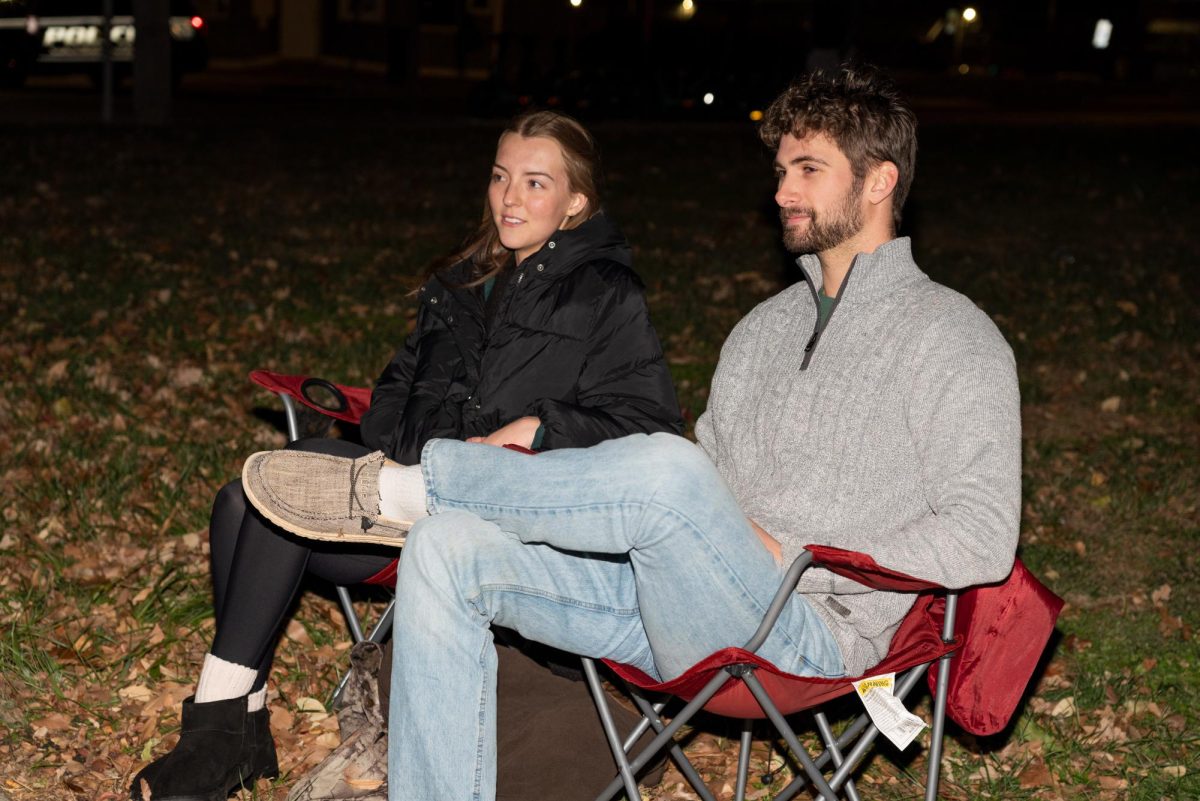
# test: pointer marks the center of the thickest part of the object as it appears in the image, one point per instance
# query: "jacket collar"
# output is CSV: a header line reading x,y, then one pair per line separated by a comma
x,y
596,238
872,275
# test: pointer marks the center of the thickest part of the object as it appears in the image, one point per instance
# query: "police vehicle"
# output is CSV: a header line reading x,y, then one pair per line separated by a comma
x,y
67,36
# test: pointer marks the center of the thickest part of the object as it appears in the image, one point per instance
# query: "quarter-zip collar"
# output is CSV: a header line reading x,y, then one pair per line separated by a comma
x,y
870,276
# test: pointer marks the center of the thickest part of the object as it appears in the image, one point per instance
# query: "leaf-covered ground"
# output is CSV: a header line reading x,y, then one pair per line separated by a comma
x,y
143,275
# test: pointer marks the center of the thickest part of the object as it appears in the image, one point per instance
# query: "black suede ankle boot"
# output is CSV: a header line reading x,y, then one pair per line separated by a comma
x,y
264,763
221,748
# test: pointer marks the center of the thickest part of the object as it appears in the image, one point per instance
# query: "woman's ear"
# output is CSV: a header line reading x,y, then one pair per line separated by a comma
x,y
578,203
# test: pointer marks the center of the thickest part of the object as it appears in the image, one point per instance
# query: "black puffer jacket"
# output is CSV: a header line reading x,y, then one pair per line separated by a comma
x,y
567,338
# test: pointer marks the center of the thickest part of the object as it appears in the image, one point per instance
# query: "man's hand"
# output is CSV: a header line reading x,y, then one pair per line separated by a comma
x,y
768,541
519,432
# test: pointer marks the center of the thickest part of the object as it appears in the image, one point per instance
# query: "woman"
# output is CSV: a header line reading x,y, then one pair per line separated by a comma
x,y
535,333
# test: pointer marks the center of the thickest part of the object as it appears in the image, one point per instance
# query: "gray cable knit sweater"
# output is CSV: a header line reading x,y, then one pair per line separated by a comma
x,y
899,436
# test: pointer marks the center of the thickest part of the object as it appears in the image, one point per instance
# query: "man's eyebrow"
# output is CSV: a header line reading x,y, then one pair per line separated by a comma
x,y
803,158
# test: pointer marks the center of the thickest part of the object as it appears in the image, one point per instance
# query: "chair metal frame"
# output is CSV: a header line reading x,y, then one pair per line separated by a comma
x,y
383,626
859,735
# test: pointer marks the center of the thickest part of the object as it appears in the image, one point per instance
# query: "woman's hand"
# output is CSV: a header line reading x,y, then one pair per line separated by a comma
x,y
519,432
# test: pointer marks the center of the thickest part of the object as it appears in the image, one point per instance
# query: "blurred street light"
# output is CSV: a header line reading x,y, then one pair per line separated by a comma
x,y
967,16
686,10
576,3
1102,35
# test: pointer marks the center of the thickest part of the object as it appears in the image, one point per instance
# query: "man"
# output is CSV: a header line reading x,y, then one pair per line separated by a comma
x,y
865,407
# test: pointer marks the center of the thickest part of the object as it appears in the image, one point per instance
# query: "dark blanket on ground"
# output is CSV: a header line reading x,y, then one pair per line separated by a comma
x,y
549,740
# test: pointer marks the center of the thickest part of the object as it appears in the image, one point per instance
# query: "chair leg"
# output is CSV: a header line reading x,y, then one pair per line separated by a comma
x,y
643,724
667,734
938,729
743,768
861,732
610,731
789,736
651,715
937,732
835,751
348,610
383,626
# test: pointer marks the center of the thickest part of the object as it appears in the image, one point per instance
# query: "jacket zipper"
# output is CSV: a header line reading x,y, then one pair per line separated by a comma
x,y
502,314
819,327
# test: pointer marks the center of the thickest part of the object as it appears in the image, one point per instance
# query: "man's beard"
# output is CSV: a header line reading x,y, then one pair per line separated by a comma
x,y
845,220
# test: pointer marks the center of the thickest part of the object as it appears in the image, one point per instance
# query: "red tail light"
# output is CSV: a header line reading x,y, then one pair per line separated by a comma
x,y
197,22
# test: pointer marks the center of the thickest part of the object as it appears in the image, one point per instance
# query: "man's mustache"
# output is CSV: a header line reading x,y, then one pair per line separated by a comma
x,y
787,211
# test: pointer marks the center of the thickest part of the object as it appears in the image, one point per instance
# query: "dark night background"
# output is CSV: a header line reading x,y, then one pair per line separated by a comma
x,y
281,173
621,59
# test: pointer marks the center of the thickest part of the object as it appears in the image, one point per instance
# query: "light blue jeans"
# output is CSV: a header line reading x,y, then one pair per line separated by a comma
x,y
632,550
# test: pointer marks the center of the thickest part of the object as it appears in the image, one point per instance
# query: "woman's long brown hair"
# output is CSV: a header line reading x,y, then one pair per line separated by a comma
x,y
582,160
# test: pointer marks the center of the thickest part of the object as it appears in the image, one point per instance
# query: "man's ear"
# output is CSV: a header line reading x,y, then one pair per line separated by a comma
x,y
881,182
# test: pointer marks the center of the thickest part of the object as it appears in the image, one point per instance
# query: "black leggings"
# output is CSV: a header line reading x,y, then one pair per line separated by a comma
x,y
257,569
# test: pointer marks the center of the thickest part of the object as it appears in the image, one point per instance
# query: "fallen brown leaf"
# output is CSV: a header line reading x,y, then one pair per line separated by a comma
x,y
1035,774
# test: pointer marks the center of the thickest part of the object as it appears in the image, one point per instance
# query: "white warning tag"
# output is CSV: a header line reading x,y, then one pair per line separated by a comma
x,y
887,711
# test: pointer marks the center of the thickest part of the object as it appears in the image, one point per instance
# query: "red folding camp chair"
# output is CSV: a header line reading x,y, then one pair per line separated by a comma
x,y
335,402
982,647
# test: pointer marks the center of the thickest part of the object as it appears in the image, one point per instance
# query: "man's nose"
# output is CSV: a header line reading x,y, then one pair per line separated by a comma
x,y
786,194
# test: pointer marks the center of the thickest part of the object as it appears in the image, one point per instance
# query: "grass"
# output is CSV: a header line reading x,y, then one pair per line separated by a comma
x,y
143,274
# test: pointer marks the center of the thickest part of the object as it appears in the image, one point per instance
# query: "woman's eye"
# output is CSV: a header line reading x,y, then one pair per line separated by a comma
x,y
497,177
536,184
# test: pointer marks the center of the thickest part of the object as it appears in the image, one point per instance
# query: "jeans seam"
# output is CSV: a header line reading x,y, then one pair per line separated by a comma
x,y
480,746
522,589
427,470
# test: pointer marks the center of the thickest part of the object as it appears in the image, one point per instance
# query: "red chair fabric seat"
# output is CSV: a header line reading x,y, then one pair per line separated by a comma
x,y
916,642
1002,630
996,632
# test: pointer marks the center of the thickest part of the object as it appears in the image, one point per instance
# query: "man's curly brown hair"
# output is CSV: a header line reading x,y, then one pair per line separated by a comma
x,y
861,111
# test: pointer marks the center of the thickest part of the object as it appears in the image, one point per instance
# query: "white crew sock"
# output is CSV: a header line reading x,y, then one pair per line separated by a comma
x,y
402,493
221,680
256,700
